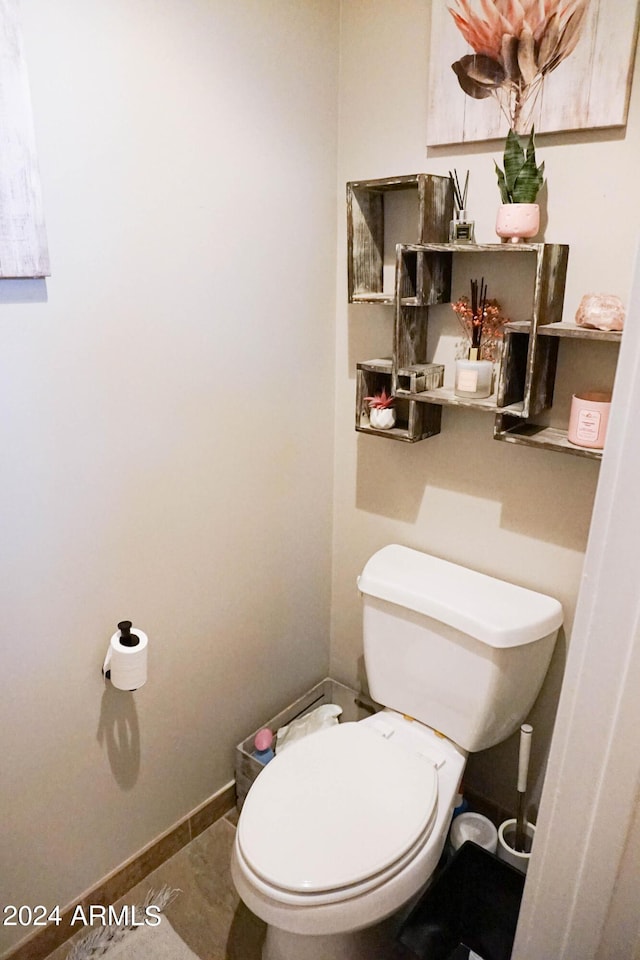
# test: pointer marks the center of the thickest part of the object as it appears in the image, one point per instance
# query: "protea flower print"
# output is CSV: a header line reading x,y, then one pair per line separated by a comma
x,y
516,43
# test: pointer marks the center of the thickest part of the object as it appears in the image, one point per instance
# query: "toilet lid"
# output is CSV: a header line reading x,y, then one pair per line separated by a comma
x,y
336,808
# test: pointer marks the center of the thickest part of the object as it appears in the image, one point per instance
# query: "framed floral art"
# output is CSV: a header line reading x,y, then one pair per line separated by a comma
x,y
23,241
554,64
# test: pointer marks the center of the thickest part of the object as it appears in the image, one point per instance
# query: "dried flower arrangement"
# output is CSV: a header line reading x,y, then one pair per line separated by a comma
x,y
482,322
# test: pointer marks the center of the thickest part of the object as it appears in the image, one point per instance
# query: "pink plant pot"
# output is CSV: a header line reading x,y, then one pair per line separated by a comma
x,y
517,221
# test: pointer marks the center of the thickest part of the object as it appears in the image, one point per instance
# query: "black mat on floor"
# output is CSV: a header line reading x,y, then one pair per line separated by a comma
x,y
472,905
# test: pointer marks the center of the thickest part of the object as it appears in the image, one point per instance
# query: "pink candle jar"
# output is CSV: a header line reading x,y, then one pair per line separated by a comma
x,y
588,420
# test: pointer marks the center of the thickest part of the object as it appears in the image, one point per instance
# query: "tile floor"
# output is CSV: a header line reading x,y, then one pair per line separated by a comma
x,y
208,914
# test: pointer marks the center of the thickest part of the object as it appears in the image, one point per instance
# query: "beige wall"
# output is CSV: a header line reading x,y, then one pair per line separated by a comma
x,y
510,511
164,456
167,416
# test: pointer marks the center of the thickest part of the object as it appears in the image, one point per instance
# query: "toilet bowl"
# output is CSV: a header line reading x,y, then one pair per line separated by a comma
x,y
340,833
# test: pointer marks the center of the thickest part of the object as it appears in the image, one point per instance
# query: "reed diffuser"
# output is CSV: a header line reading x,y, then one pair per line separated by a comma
x,y
474,376
478,308
461,229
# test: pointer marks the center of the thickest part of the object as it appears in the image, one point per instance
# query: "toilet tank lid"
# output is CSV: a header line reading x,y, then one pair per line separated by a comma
x,y
495,612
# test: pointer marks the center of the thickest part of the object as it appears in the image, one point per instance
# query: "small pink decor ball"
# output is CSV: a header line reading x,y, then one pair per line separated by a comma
x,y
263,739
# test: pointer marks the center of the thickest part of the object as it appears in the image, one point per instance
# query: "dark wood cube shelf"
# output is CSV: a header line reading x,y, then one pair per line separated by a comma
x,y
525,381
413,420
548,337
424,267
366,227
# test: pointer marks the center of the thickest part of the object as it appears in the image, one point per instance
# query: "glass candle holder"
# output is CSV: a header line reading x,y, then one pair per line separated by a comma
x,y
473,379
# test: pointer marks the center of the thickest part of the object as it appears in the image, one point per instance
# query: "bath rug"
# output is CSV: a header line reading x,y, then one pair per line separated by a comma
x,y
159,942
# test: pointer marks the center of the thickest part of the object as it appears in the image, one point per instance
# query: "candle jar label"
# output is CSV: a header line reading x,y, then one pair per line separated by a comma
x,y
462,231
473,379
588,425
467,380
588,420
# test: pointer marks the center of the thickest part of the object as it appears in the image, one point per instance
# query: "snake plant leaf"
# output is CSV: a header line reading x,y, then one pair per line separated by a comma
x,y
514,159
532,176
528,182
502,184
522,178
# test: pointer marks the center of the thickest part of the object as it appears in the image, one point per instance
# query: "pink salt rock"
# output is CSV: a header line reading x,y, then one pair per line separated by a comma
x,y
602,311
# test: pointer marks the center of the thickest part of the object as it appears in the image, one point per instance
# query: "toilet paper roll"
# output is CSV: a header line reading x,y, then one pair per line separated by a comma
x,y
128,665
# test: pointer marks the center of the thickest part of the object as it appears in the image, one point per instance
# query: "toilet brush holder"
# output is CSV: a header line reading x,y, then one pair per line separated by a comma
x,y
507,844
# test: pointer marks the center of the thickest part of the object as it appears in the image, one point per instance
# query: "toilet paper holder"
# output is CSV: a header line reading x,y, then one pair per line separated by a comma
x,y
127,639
131,669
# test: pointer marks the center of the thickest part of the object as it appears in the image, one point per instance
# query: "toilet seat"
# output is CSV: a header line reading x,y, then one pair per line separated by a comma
x,y
338,812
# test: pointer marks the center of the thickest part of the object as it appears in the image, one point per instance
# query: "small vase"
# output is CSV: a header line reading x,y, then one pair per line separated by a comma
x,y
382,418
517,221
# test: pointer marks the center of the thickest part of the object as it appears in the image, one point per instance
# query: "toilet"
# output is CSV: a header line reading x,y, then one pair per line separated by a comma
x,y
339,834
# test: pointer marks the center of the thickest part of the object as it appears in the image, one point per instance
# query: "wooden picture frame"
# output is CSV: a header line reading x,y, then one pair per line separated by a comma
x,y
23,239
589,89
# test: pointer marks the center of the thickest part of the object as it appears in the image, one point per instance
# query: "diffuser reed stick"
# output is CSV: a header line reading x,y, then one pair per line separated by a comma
x,y
478,312
461,229
459,196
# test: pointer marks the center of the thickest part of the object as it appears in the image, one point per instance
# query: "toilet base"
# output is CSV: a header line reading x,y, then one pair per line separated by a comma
x,y
373,943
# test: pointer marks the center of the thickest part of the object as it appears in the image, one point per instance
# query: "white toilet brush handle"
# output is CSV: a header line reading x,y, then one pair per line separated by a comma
x,y
526,731
525,752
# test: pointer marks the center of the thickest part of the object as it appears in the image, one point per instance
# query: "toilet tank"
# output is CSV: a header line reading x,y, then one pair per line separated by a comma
x,y
460,651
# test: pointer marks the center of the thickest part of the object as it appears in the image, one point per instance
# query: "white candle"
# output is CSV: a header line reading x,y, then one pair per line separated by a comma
x,y
473,378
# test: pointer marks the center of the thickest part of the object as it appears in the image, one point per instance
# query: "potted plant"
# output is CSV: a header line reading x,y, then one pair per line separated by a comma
x,y
519,183
382,415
